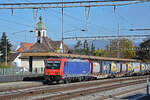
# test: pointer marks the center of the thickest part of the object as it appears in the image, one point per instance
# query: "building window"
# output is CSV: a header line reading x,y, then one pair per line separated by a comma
x,y
39,33
43,33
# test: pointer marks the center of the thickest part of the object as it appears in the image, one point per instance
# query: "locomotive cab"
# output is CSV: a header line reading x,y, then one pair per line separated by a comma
x,y
52,71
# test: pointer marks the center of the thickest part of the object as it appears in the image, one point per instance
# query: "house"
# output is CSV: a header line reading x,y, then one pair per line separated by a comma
x,y
24,47
43,44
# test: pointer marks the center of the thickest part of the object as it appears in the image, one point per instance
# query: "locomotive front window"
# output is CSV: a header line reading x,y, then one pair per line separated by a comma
x,y
53,64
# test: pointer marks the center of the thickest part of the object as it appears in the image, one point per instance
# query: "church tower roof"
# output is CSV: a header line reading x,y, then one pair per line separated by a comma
x,y
40,25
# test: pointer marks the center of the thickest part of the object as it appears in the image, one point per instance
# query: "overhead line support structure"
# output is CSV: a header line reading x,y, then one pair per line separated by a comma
x,y
106,37
144,29
62,9
69,4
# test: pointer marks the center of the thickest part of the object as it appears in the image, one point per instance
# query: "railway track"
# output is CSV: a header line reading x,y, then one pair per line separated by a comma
x,y
33,93
74,94
11,87
120,93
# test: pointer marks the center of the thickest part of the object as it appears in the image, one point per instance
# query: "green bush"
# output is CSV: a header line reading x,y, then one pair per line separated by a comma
x,y
2,65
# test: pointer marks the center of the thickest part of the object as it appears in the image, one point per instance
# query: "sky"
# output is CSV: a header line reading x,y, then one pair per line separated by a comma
x,y
102,21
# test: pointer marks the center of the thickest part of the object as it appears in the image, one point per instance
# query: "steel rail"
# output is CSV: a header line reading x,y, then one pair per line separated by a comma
x,y
120,93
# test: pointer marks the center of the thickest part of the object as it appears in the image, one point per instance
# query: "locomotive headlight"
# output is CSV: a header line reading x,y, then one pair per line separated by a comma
x,y
46,73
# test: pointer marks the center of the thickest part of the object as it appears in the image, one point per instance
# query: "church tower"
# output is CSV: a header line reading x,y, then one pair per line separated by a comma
x,y
40,31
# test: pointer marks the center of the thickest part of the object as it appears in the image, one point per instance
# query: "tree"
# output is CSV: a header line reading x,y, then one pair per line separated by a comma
x,y
81,49
100,52
78,45
144,52
5,46
124,48
86,48
92,49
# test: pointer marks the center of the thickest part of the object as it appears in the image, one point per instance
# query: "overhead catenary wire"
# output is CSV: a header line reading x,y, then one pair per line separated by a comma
x,y
69,24
79,20
106,37
65,4
2,19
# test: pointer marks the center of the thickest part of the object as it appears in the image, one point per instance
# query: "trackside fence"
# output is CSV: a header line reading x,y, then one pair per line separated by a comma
x,y
11,71
18,74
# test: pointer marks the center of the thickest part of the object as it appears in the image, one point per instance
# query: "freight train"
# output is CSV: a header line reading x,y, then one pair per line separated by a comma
x,y
64,70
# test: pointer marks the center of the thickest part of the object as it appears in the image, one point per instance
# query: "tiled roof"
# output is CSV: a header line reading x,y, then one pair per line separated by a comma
x,y
20,49
41,47
47,45
55,44
27,46
24,47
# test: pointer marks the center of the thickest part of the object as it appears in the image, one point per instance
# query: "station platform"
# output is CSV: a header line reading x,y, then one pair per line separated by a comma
x,y
19,85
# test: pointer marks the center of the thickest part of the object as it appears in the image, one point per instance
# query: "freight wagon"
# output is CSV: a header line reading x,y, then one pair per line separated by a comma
x,y
63,70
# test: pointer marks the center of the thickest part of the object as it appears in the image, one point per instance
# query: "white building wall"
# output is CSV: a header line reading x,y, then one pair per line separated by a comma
x,y
17,61
25,63
37,64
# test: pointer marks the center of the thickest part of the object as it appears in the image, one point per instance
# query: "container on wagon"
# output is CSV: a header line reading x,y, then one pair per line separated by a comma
x,y
148,66
136,67
143,67
113,68
123,67
96,68
105,67
129,67
118,65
